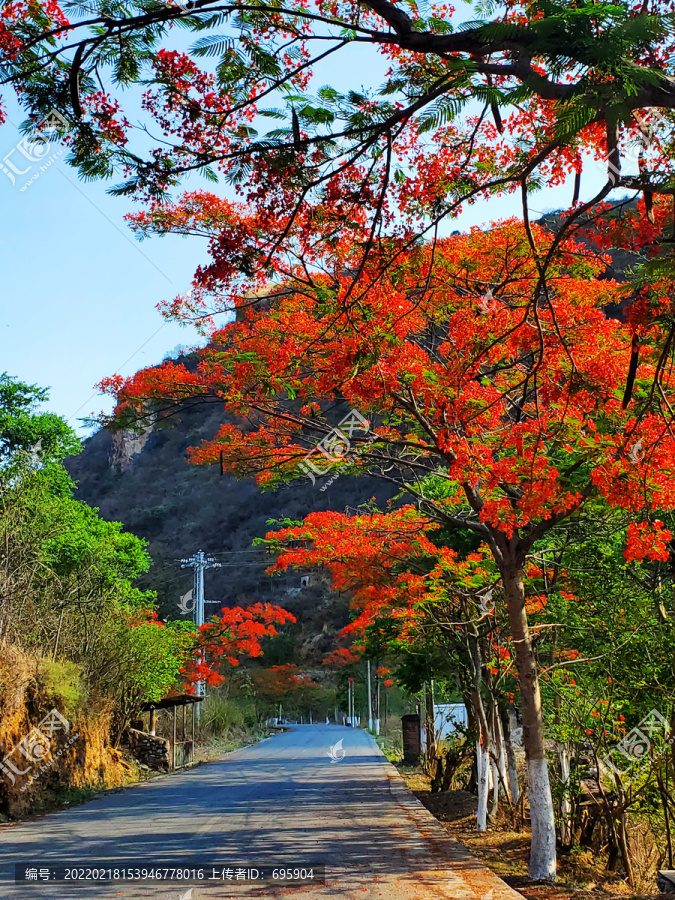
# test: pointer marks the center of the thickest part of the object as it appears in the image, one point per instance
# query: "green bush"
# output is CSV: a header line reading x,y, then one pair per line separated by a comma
x,y
62,683
220,716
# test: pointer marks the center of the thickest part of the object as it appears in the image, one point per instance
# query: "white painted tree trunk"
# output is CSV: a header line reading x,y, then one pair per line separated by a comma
x,y
501,756
493,785
504,776
542,864
507,724
495,791
482,770
483,739
566,804
509,727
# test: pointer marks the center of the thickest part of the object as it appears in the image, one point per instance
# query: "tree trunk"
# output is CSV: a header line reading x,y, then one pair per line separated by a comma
x,y
514,787
430,723
482,732
625,849
566,801
494,809
542,865
377,703
474,728
663,791
500,751
483,768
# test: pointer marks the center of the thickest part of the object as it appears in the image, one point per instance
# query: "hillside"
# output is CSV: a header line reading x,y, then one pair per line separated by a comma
x,y
146,483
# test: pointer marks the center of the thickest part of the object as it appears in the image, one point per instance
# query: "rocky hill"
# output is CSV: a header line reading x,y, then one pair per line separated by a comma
x,y
145,482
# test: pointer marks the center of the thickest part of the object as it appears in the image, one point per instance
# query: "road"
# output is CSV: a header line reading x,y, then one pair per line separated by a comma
x,y
280,802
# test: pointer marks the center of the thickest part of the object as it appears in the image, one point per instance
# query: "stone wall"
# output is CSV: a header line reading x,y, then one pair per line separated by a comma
x,y
151,751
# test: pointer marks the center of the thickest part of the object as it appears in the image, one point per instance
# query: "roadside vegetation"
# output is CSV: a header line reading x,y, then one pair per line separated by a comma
x,y
76,634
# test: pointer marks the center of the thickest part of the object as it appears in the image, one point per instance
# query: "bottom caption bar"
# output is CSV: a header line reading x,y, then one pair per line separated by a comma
x,y
39,873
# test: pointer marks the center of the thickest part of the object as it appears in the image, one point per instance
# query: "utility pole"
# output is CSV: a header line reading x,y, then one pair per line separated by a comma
x,y
370,700
377,702
199,563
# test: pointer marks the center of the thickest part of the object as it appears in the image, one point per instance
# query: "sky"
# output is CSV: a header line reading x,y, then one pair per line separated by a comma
x,y
78,291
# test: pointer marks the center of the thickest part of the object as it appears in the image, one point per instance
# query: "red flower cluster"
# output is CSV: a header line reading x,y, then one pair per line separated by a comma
x,y
233,633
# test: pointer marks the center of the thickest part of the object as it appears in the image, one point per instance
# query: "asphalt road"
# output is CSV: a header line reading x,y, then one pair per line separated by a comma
x,y
280,803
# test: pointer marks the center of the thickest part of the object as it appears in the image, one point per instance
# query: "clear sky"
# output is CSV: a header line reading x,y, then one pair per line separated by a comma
x,y
79,291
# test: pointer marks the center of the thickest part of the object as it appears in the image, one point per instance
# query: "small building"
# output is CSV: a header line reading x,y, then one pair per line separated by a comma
x,y
180,710
447,716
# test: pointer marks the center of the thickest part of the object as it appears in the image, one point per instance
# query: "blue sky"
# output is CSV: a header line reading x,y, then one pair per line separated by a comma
x,y
79,291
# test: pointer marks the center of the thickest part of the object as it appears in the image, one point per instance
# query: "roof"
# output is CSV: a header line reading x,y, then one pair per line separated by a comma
x,y
170,702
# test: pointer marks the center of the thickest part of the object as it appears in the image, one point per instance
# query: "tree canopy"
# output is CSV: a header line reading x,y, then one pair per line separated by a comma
x,y
516,98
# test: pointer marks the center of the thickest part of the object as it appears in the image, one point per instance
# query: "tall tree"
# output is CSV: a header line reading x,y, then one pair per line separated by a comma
x,y
517,99
497,405
438,606
28,435
571,72
67,596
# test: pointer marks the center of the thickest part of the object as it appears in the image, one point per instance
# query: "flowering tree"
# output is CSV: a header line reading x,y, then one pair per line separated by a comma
x,y
288,685
520,98
225,638
438,604
561,78
339,658
497,399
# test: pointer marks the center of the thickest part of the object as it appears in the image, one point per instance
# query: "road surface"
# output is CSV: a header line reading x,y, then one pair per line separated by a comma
x,y
283,802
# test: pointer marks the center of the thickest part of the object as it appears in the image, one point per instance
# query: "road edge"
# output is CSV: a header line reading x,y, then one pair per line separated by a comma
x,y
485,884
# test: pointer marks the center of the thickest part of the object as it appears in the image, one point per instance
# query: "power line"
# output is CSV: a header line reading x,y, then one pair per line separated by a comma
x,y
234,553
240,551
240,565
243,565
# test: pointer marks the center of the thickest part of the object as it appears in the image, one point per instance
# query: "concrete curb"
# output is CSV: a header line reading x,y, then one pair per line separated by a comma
x,y
481,880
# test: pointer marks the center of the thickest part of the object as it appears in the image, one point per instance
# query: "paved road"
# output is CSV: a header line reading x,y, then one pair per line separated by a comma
x,y
280,802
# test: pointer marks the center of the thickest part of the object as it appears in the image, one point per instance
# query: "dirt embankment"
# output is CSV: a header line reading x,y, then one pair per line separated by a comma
x,y
55,743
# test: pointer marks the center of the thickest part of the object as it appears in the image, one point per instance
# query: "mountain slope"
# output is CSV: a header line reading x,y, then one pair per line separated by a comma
x,y
146,483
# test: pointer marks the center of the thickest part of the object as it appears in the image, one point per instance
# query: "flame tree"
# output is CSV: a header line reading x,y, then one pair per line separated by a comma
x,y
494,397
